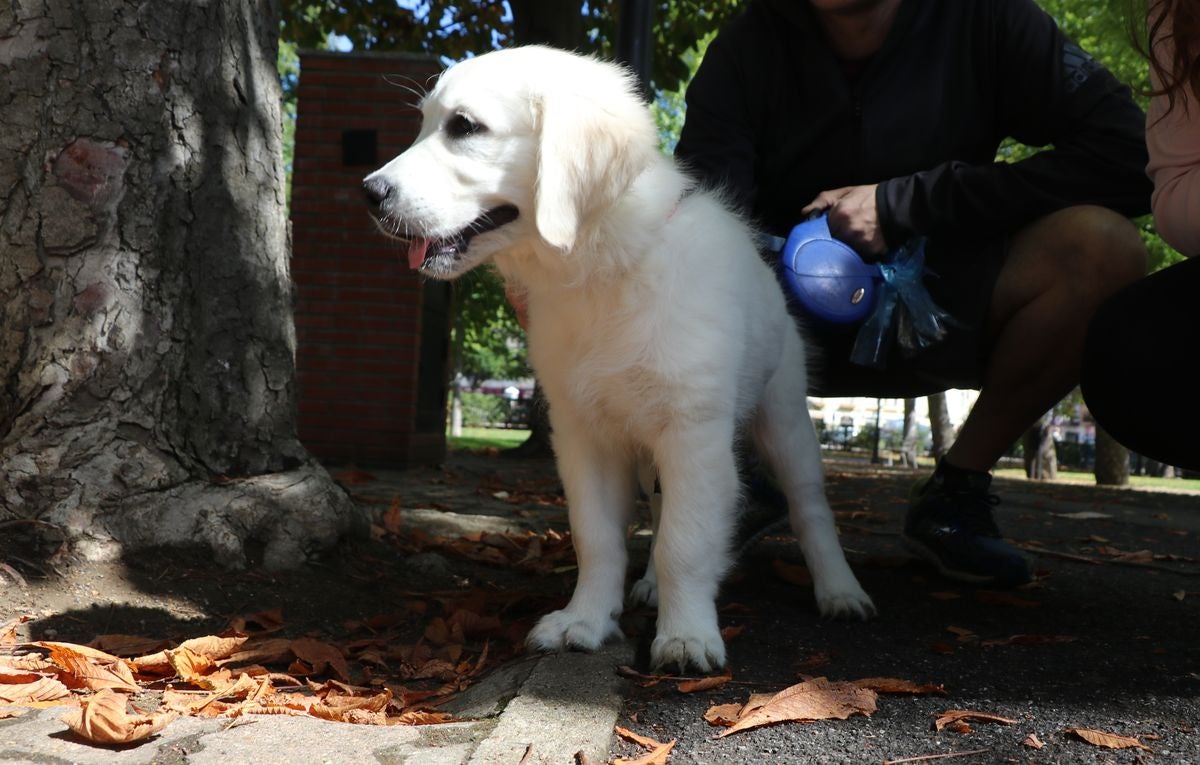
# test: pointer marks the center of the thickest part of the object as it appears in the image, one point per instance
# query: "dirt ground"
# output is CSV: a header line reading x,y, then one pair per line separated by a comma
x,y
175,594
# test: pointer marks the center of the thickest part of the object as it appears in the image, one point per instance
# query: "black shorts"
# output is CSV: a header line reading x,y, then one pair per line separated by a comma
x,y
960,279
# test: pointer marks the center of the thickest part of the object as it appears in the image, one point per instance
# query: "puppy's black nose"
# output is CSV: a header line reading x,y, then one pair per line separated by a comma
x,y
376,190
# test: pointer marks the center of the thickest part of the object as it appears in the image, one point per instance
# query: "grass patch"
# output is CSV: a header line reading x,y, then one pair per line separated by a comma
x,y
1135,481
481,439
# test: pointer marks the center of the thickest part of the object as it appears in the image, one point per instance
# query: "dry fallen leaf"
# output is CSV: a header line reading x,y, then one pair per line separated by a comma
x,y
896,685
657,754
816,699
80,672
723,715
1032,741
955,715
103,719
210,646
1107,740
8,630
705,683
321,655
38,691
791,573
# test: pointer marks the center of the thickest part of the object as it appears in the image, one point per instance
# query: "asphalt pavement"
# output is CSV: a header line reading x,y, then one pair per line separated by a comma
x,y
1104,640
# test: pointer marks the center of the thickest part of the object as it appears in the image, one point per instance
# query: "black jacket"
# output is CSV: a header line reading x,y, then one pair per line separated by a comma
x,y
774,117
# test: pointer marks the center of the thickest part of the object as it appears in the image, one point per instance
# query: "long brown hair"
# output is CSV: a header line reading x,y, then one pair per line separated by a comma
x,y
1177,22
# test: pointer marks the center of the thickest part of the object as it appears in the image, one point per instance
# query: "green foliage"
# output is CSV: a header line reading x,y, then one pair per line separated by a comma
x,y
453,30
490,342
484,409
1103,29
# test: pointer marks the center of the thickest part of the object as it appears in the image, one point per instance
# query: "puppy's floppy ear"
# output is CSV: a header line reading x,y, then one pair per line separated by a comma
x,y
595,138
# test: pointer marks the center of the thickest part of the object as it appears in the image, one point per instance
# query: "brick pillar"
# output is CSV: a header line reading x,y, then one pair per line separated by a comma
x,y
372,339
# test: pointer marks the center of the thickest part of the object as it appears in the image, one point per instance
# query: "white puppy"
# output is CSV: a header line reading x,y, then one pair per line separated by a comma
x,y
655,328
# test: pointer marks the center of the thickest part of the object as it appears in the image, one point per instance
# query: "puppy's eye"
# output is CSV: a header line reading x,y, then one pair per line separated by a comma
x,y
461,126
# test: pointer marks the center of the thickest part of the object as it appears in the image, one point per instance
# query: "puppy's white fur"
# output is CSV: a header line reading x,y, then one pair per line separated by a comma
x,y
656,330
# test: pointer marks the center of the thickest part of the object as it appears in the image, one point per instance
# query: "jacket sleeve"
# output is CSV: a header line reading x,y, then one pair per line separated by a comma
x,y
716,144
1048,93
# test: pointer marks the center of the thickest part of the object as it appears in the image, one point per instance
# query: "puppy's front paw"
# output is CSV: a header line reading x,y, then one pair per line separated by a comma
x,y
644,592
844,600
704,652
560,630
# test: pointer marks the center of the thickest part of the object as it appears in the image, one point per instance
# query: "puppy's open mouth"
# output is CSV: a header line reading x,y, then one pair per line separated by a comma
x,y
426,253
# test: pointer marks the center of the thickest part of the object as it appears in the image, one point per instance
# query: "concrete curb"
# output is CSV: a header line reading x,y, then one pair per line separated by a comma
x,y
569,704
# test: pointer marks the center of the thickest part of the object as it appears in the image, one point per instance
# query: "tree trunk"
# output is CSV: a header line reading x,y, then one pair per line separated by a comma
x,y
147,350
1112,460
908,442
1041,460
939,424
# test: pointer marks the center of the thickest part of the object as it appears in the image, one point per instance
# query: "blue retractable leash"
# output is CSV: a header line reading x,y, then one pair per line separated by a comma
x,y
828,281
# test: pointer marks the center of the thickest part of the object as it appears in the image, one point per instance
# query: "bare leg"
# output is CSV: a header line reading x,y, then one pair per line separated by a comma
x,y
1059,269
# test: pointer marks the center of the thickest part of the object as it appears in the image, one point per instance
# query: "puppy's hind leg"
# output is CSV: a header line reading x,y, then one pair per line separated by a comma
x,y
786,439
599,486
700,488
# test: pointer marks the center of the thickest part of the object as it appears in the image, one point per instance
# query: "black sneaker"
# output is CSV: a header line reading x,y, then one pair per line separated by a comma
x,y
952,528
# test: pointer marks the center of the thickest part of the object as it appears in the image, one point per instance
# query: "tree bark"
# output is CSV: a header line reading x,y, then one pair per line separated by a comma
x,y
1112,460
1041,460
908,443
939,424
147,347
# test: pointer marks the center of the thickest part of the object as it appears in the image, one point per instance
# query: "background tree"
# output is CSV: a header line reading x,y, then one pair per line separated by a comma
x,y
1112,460
941,430
146,349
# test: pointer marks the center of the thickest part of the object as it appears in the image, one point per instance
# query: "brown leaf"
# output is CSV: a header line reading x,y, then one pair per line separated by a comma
x,y
8,630
128,645
321,655
955,715
13,676
79,672
1032,741
210,646
994,598
262,622
723,715
42,689
103,719
791,573
896,685
273,651
657,754
1030,640
704,683
1107,740
816,699
732,631
636,738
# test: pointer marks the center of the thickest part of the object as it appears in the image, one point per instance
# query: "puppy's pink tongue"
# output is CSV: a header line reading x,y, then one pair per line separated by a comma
x,y
416,252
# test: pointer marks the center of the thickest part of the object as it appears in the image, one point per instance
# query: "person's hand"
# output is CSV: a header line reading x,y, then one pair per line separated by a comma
x,y
853,219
